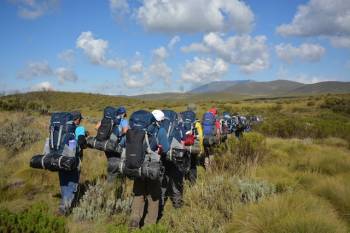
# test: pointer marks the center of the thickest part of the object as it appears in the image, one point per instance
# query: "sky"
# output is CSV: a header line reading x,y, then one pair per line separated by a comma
x,y
121,47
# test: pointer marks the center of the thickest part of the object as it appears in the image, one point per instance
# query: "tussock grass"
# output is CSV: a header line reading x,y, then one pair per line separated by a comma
x,y
297,212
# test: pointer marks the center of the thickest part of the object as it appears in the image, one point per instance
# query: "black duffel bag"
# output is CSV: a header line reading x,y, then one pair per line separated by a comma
x,y
54,162
108,145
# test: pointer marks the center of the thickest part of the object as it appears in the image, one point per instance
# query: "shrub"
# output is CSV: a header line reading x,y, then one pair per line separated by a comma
x,y
15,135
254,191
35,219
242,155
337,104
295,212
100,200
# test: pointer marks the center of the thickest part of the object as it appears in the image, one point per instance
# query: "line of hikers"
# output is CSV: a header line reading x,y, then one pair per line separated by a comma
x,y
157,150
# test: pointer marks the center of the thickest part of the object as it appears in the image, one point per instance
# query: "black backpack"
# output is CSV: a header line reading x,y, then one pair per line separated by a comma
x,y
138,138
109,124
188,118
62,130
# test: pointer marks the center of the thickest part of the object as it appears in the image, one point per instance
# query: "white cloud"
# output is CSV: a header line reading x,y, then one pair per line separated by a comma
x,y
249,53
119,7
32,9
160,70
67,56
330,18
43,69
309,79
306,52
195,16
96,50
64,74
160,54
35,69
43,86
173,42
139,76
204,70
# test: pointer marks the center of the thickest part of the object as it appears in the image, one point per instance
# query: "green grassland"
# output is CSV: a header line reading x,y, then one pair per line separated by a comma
x,y
291,174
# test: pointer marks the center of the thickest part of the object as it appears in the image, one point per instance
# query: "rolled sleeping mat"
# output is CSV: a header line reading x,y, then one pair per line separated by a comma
x,y
116,166
54,162
108,145
150,170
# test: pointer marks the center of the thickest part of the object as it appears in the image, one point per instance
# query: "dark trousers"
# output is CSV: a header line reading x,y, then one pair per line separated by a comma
x,y
146,202
69,181
112,157
172,184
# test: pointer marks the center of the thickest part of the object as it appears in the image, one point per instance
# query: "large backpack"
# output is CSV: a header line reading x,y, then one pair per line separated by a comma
x,y
171,125
109,124
138,139
188,118
208,124
62,130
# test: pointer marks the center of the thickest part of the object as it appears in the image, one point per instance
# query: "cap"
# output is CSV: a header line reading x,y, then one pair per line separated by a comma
x,y
77,115
158,115
121,110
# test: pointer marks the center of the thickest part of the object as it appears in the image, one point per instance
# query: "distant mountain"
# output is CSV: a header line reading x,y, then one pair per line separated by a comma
x,y
323,87
217,86
272,88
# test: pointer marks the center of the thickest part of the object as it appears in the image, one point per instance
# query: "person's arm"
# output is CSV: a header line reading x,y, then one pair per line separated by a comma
x,y
80,135
97,126
125,126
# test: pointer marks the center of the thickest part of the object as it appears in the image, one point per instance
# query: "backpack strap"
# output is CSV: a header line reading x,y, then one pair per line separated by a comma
x,y
51,136
150,153
59,137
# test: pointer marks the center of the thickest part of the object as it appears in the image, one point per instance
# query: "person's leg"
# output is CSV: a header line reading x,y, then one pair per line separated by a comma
x,y
154,192
69,181
192,177
164,190
138,203
176,186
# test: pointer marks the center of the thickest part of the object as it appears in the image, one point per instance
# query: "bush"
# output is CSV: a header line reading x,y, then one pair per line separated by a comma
x,y
242,155
101,200
337,104
35,219
295,212
15,135
254,191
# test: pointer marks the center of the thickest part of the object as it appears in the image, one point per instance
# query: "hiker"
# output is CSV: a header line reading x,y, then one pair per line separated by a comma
x,y
113,127
192,128
69,180
147,191
176,163
211,133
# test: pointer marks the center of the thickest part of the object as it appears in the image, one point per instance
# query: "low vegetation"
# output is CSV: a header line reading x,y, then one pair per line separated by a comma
x,y
290,174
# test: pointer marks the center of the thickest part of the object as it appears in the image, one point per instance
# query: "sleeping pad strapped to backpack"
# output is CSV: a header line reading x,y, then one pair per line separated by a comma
x,y
60,147
140,159
107,138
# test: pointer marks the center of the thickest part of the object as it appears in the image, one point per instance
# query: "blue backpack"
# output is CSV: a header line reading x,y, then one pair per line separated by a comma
x,y
62,129
189,118
171,125
208,124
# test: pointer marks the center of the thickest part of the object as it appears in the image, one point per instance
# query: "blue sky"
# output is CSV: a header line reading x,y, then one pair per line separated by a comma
x,y
135,47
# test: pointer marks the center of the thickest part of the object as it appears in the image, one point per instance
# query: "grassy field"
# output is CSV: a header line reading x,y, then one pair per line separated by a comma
x,y
291,174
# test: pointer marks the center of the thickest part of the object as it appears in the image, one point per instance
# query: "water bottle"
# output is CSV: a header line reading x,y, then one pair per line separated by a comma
x,y
72,144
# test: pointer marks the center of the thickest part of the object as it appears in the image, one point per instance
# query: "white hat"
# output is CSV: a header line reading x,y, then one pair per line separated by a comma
x,y
158,114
